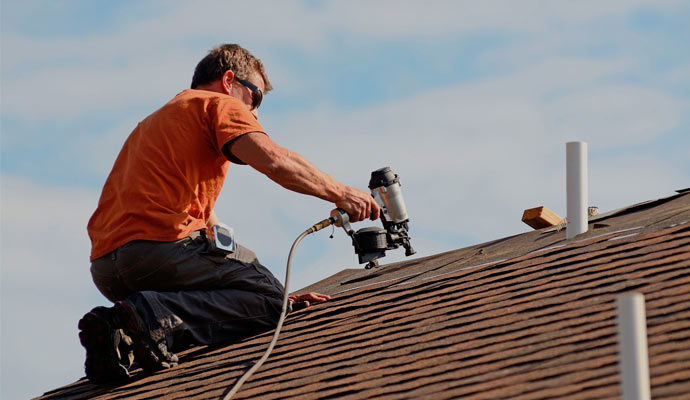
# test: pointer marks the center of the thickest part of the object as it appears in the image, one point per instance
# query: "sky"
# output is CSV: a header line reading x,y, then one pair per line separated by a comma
x,y
471,103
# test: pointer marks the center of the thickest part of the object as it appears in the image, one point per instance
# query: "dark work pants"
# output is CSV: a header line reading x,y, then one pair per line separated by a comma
x,y
188,295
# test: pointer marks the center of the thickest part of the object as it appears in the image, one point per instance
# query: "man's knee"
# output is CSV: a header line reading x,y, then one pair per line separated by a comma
x,y
107,281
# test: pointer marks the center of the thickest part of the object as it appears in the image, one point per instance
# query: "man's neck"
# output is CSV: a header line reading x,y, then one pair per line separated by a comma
x,y
215,86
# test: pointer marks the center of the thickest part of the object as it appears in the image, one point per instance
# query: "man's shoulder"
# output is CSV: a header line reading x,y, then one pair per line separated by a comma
x,y
216,109
199,102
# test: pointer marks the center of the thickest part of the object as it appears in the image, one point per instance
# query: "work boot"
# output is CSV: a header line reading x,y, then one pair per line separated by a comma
x,y
149,354
108,349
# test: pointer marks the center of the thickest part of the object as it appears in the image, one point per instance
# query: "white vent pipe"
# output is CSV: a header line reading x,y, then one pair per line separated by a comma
x,y
576,191
632,347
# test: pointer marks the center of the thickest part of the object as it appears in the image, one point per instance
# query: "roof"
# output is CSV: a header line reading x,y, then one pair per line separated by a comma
x,y
532,316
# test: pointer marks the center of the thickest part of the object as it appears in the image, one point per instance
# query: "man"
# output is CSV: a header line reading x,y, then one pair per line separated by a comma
x,y
151,239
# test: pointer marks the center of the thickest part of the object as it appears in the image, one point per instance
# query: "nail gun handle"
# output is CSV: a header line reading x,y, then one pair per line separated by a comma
x,y
342,220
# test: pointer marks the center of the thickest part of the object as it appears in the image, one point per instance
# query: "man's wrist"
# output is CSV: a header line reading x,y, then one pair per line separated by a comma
x,y
339,193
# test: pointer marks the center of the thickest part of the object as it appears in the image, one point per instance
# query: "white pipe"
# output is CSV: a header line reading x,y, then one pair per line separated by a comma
x,y
576,181
632,347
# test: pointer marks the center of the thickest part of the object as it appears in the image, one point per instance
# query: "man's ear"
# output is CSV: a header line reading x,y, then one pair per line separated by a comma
x,y
226,80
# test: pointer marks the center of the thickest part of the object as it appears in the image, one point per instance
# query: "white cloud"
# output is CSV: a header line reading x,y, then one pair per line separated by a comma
x,y
633,178
474,157
46,224
101,153
71,92
615,116
679,76
46,284
396,19
65,78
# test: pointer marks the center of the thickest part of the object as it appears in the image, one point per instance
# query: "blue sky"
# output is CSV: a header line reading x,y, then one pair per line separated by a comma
x,y
470,102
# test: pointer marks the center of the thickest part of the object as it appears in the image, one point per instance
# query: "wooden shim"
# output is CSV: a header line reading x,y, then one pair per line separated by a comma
x,y
540,217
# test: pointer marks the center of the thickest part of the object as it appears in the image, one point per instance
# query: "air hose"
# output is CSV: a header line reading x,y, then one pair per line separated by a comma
x,y
316,227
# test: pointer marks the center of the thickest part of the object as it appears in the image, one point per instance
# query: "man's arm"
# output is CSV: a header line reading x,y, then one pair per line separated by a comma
x,y
294,172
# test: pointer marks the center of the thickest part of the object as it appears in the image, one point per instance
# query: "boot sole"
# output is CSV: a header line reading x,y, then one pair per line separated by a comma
x,y
96,335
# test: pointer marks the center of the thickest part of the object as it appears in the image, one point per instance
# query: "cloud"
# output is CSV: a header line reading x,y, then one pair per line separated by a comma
x,y
46,285
75,91
679,76
103,149
132,62
633,178
615,116
46,223
473,157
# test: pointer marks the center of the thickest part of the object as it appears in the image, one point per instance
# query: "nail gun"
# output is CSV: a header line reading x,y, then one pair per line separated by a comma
x,y
371,243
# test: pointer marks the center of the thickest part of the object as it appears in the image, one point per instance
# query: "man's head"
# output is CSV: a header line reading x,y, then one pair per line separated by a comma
x,y
229,57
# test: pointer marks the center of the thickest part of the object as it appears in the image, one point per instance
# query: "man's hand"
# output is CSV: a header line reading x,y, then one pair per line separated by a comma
x,y
307,297
358,205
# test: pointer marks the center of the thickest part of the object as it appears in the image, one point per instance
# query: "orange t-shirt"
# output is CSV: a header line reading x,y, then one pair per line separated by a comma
x,y
169,172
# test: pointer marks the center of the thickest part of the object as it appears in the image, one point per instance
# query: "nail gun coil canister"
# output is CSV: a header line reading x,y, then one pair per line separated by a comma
x,y
386,189
370,243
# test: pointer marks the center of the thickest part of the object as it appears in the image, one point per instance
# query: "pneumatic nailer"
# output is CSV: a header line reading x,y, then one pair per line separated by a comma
x,y
371,243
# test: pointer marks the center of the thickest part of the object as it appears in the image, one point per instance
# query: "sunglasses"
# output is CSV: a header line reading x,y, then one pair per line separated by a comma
x,y
257,95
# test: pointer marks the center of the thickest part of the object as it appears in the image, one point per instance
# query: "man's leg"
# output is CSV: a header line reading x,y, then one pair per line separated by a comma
x,y
109,351
188,295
